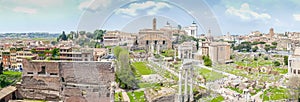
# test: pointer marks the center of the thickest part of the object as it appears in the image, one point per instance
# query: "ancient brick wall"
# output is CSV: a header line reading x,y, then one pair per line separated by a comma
x,y
55,81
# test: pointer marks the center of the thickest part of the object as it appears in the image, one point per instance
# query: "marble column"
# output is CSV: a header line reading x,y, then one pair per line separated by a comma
x,y
186,85
180,85
191,84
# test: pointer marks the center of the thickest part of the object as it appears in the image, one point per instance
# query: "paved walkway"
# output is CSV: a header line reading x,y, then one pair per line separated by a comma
x,y
125,96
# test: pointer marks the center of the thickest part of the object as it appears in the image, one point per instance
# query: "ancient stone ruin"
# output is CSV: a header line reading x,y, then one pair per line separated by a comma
x,y
65,81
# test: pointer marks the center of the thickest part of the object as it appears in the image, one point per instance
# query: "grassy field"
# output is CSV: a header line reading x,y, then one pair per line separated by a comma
x,y
9,77
275,94
210,75
236,90
255,63
217,99
139,51
281,70
139,96
254,76
148,85
141,68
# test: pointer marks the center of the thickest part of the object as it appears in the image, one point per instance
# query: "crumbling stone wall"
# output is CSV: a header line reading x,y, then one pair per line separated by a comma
x,y
40,86
54,81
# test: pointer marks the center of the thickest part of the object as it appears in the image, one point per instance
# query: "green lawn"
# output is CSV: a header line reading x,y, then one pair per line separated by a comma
x,y
236,90
217,99
281,70
168,53
148,85
9,77
254,76
275,94
139,51
139,96
255,63
167,74
210,75
141,68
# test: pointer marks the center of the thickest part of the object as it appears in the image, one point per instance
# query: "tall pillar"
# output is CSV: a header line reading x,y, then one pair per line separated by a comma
x,y
154,24
157,49
186,85
191,84
179,53
179,85
175,55
152,47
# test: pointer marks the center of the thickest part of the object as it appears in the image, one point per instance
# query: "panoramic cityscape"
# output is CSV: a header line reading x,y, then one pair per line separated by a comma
x,y
149,51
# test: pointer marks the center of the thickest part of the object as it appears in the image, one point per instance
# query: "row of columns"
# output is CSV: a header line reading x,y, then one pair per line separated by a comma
x,y
187,71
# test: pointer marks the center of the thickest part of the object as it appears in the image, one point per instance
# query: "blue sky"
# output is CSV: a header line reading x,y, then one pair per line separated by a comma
x,y
221,16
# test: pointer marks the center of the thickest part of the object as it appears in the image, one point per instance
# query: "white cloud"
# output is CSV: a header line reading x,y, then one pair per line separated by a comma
x,y
296,17
94,4
40,3
246,13
153,7
25,10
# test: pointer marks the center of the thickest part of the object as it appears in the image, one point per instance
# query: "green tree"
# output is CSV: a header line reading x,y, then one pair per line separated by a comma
x,y
267,48
207,61
117,51
55,52
276,63
97,45
70,36
255,49
82,32
98,34
273,47
1,68
274,43
125,72
64,36
286,60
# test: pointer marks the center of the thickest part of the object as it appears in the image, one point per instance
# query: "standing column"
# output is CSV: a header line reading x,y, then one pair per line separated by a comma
x,y
152,47
191,84
179,85
186,85
190,54
179,53
175,55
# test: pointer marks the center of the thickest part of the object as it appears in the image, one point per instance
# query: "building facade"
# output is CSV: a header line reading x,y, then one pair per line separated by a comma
x,y
153,39
294,63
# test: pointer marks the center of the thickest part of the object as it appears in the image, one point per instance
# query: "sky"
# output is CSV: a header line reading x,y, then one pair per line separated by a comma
x,y
221,16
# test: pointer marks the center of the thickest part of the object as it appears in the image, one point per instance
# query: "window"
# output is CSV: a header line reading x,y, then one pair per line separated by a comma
x,y
43,70
298,71
53,73
294,71
164,42
62,79
29,72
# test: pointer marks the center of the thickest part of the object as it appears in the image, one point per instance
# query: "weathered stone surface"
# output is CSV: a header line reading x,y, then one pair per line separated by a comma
x,y
161,95
76,99
68,81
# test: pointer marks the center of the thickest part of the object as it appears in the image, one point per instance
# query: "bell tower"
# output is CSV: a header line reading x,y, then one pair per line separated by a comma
x,y
154,24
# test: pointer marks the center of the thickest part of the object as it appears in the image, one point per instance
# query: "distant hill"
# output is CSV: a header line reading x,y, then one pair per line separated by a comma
x,y
29,35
